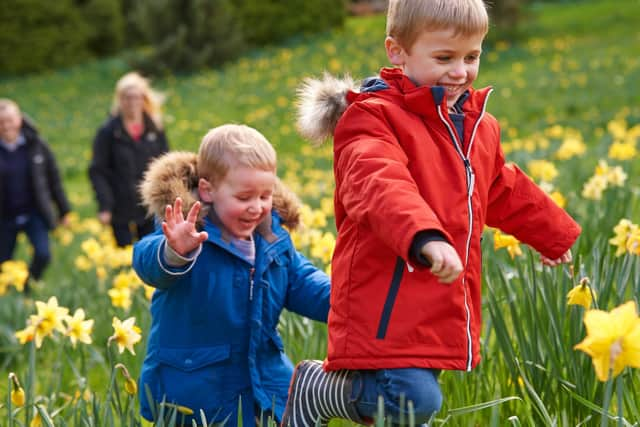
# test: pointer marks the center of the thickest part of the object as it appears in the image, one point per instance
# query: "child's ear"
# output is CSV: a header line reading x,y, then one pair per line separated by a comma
x,y
204,190
395,51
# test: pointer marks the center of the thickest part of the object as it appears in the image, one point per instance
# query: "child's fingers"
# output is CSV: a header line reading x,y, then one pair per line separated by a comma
x,y
202,236
177,210
193,213
168,216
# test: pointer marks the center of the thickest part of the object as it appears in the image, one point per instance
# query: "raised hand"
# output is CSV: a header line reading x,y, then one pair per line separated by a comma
x,y
445,262
181,233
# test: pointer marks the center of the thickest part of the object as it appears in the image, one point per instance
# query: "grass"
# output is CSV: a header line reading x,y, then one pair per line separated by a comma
x,y
576,73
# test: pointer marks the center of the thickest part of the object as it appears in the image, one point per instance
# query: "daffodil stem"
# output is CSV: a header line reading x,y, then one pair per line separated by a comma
x,y
620,394
607,399
30,384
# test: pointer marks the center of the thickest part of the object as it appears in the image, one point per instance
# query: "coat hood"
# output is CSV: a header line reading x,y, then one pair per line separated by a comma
x,y
320,104
175,174
322,101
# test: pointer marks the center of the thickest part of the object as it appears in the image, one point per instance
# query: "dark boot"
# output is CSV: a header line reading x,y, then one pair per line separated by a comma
x,y
316,396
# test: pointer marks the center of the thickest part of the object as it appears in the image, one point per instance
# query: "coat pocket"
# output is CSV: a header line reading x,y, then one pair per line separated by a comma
x,y
198,378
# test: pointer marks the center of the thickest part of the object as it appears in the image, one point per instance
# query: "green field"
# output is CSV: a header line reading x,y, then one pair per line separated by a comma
x,y
567,96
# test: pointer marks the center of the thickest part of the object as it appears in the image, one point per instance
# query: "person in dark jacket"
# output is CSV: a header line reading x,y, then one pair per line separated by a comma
x,y
30,186
222,275
122,149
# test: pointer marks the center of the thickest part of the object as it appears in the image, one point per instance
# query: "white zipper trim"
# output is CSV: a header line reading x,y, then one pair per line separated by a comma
x,y
470,187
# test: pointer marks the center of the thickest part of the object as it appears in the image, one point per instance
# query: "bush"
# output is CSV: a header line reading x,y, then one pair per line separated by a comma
x,y
106,32
507,17
186,34
37,35
269,21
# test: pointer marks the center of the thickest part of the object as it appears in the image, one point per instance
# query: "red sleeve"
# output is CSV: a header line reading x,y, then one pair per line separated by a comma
x,y
373,183
519,207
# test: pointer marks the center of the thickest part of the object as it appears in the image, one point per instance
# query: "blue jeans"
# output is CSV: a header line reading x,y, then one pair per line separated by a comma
x,y
416,384
37,232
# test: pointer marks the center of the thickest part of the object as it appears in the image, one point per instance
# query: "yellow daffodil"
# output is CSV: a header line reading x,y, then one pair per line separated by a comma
x,y
148,292
613,339
558,198
126,334
507,241
622,150
571,146
14,273
48,319
120,297
582,294
623,231
26,335
322,248
542,170
594,187
79,329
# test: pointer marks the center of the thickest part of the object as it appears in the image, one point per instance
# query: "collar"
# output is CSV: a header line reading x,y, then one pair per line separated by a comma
x,y
20,141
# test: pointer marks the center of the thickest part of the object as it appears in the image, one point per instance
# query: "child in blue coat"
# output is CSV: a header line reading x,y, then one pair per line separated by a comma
x,y
224,268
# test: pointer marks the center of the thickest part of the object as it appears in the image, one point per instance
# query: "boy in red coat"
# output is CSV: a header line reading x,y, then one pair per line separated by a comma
x,y
419,172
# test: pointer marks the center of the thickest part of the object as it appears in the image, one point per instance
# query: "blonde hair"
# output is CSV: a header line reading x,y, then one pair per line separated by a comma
x,y
407,19
152,99
232,145
7,104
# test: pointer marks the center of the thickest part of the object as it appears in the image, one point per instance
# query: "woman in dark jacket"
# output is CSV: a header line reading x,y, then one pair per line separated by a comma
x,y
123,147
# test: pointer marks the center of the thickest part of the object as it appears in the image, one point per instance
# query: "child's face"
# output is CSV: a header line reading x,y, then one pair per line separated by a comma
x,y
242,199
10,124
438,58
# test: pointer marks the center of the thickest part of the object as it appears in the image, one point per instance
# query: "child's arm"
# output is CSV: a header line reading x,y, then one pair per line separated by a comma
x,y
308,289
181,233
445,262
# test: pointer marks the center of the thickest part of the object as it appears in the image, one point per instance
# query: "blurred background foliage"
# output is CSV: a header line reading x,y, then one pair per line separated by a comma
x,y
179,35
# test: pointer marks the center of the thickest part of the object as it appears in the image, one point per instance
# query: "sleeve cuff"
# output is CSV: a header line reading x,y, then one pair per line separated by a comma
x,y
420,239
174,259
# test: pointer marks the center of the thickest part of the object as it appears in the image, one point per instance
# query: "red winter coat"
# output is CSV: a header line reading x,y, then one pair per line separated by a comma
x,y
399,169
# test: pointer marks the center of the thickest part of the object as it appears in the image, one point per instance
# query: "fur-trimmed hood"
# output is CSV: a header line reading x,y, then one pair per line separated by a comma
x,y
175,174
320,104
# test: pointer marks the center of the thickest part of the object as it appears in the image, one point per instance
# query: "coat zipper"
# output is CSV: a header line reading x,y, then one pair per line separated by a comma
x,y
251,272
471,179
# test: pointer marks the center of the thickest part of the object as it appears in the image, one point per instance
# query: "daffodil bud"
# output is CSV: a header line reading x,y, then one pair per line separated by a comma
x,y
130,386
17,396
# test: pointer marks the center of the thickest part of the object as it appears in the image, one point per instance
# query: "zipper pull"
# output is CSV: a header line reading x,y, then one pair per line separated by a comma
x,y
251,272
471,176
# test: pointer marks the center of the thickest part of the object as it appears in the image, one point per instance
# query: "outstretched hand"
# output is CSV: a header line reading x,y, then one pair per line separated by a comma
x,y
445,262
564,259
181,233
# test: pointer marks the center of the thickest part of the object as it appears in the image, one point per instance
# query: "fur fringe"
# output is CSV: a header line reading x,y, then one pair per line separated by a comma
x,y
175,174
320,104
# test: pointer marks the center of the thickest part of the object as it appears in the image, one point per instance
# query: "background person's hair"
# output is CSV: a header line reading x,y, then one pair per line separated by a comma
x,y
8,104
152,99
407,19
233,145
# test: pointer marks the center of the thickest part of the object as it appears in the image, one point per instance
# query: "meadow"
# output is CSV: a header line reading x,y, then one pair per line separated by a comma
x,y
567,96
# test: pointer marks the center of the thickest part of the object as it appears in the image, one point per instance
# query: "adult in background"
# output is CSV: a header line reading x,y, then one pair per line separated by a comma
x,y
30,186
123,147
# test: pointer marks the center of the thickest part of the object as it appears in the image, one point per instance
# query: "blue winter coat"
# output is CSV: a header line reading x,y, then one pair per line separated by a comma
x,y
214,333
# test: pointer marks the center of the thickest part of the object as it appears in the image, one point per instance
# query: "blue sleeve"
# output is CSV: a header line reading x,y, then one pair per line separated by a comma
x,y
309,288
149,263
